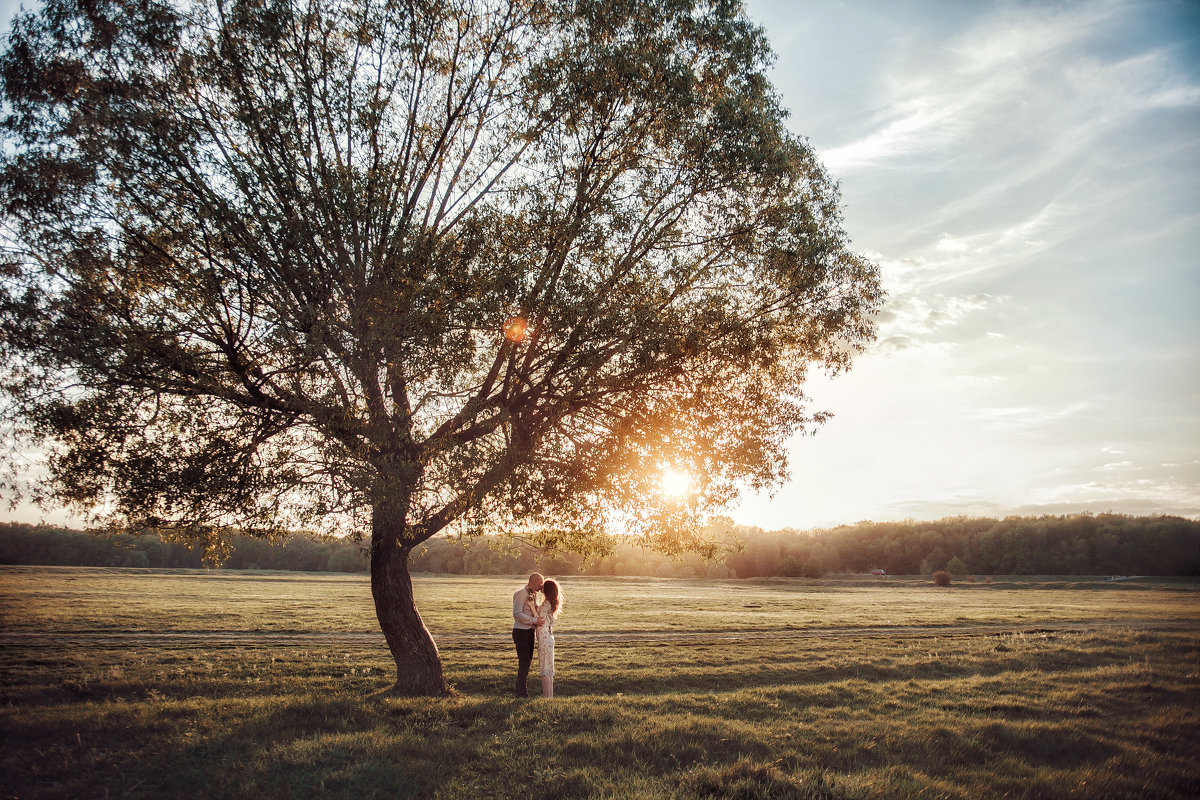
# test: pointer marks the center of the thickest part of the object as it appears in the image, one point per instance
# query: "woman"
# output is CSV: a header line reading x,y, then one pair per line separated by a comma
x,y
548,612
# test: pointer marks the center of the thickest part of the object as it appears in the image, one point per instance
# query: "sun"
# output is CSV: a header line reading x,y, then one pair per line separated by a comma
x,y
675,483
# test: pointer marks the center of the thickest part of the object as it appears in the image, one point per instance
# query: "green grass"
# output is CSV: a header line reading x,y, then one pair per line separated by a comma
x,y
140,684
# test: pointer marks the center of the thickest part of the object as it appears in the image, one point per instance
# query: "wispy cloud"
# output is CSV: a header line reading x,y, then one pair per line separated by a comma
x,y
1022,122
1008,74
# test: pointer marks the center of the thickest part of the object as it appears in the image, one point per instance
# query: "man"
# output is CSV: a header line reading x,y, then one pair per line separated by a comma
x,y
525,622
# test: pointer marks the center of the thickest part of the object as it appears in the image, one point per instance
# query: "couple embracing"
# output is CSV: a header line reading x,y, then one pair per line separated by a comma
x,y
533,621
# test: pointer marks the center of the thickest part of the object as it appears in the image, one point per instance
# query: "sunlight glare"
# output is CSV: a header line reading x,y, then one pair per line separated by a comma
x,y
675,482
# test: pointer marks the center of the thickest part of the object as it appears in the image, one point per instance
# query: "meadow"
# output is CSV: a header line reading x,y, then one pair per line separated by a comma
x,y
153,683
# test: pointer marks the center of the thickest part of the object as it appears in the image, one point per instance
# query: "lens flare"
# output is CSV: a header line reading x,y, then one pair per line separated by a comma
x,y
516,329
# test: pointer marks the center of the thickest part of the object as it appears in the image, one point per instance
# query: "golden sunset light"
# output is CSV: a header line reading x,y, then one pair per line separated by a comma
x,y
675,483
840,439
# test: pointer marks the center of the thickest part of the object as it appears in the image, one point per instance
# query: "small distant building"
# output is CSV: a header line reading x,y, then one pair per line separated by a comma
x,y
878,572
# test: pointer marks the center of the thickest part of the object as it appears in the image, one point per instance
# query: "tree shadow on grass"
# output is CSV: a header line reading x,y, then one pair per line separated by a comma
x,y
307,747
357,747
343,745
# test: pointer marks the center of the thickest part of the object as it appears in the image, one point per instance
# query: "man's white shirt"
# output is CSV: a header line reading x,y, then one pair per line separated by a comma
x,y
521,618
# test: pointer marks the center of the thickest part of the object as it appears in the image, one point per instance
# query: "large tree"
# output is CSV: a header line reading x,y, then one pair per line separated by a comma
x,y
413,265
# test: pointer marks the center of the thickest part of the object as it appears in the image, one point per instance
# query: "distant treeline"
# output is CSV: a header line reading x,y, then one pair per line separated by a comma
x,y
1082,544
27,544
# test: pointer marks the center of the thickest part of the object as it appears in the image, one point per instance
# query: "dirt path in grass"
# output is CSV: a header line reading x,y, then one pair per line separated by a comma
x,y
235,637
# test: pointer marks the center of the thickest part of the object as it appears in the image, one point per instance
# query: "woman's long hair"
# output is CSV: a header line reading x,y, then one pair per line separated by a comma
x,y
553,594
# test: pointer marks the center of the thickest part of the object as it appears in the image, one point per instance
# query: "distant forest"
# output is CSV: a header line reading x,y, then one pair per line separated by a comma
x,y
1082,544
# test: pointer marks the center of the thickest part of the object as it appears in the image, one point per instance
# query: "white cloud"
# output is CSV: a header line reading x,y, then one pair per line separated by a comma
x,y
949,244
997,76
1025,131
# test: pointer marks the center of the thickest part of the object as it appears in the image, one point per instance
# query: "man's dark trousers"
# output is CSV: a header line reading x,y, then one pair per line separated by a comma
x,y
523,639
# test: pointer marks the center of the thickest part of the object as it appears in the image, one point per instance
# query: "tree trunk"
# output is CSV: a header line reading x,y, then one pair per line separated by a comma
x,y
418,666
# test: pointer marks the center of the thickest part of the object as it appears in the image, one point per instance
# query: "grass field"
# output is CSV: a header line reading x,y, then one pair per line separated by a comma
x,y
140,684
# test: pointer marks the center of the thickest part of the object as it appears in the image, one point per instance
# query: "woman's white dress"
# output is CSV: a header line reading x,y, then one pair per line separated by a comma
x,y
545,641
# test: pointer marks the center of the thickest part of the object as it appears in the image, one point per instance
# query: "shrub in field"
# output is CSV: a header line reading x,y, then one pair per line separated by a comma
x,y
941,578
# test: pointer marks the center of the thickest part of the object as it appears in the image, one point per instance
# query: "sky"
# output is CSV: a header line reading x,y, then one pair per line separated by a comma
x,y
1027,177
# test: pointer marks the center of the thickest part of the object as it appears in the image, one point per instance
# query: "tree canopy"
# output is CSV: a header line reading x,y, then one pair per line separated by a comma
x,y
413,265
